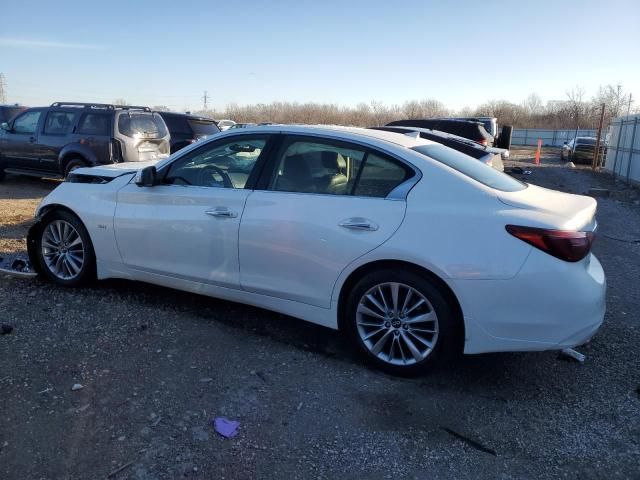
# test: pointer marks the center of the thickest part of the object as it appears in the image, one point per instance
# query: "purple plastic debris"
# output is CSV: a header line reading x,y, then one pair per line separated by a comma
x,y
226,428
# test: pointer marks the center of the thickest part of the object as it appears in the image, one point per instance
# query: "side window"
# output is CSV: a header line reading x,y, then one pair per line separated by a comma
x,y
226,165
380,176
176,124
59,123
94,124
317,167
27,122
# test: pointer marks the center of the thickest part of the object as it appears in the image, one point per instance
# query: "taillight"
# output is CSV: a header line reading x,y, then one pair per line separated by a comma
x,y
483,142
115,151
565,245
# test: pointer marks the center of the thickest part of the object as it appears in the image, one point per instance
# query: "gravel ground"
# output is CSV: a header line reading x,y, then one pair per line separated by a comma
x,y
158,365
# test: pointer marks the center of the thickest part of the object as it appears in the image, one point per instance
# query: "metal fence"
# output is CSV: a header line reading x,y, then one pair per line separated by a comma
x,y
550,138
623,154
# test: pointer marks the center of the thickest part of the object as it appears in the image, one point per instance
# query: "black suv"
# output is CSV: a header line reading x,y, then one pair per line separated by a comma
x,y
53,141
186,129
464,128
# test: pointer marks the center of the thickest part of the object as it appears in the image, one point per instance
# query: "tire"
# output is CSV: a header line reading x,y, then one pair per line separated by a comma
x,y
73,164
363,319
64,251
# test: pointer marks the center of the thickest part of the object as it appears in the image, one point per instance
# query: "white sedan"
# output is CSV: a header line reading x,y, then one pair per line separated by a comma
x,y
412,249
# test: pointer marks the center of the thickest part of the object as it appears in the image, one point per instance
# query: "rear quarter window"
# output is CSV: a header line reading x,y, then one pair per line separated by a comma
x,y
94,124
471,167
202,127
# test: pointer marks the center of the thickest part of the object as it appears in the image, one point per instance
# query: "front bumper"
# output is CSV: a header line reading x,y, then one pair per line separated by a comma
x,y
549,305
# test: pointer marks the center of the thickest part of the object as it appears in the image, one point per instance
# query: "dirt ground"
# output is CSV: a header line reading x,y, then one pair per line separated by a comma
x,y
158,365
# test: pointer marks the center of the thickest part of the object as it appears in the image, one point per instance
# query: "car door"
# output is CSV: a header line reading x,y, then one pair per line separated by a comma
x,y
187,225
55,134
19,144
325,204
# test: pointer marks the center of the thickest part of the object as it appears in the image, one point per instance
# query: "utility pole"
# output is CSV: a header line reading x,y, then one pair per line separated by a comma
x,y
3,89
595,165
205,97
630,102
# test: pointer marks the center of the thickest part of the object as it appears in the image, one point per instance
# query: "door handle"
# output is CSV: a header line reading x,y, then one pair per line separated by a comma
x,y
221,212
358,223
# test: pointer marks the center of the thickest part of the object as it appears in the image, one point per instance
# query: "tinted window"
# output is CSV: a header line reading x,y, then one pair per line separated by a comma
x,y
202,127
94,124
146,125
380,176
177,125
586,141
226,164
317,167
59,123
27,122
471,168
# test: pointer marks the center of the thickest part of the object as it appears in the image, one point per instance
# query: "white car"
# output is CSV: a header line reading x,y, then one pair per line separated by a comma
x,y
413,249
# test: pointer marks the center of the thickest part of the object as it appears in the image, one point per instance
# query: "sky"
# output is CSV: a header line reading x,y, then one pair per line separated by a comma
x,y
462,53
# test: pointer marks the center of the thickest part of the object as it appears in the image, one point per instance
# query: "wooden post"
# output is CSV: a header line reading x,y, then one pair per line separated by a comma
x,y
538,151
596,154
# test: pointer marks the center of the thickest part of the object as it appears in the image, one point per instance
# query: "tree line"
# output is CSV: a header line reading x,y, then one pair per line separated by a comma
x,y
573,111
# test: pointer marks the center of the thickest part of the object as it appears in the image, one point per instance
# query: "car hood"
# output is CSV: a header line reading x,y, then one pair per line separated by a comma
x,y
566,211
113,170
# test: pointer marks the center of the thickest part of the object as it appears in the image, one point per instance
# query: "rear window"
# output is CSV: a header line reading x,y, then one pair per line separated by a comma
x,y
586,141
139,124
203,127
471,168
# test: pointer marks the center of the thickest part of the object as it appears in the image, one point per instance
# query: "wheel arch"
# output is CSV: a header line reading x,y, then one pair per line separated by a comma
x,y
72,151
36,230
363,270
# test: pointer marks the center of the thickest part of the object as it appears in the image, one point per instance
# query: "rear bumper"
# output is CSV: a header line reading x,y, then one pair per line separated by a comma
x,y
549,305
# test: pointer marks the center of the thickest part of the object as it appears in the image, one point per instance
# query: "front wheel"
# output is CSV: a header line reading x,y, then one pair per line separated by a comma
x,y
64,250
400,321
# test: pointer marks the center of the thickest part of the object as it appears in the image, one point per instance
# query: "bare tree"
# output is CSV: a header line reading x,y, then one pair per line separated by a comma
x,y
161,108
120,101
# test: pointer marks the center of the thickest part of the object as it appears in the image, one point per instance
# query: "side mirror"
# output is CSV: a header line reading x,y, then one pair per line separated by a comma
x,y
147,177
5,126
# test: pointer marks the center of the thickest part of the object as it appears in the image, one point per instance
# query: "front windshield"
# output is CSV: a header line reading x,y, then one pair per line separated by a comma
x,y
471,167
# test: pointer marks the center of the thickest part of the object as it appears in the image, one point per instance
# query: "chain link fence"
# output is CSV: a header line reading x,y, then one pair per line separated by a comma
x,y
623,153
550,138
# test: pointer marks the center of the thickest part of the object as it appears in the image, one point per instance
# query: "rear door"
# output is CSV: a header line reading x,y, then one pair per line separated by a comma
x,y
324,203
55,134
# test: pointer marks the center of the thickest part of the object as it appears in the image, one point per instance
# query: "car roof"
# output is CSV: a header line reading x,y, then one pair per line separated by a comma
x,y
344,133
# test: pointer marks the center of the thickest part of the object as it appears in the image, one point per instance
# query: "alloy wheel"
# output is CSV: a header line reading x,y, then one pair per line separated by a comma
x,y
63,250
397,323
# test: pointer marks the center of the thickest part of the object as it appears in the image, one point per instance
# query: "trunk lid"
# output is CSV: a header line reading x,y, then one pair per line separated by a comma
x,y
563,211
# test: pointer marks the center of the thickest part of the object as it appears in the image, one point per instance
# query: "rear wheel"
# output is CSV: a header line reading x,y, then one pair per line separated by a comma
x,y
74,164
64,250
400,321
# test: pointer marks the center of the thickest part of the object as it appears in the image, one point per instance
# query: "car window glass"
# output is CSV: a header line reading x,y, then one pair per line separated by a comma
x,y
59,123
141,125
226,165
177,125
317,167
380,176
94,124
27,123
472,168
